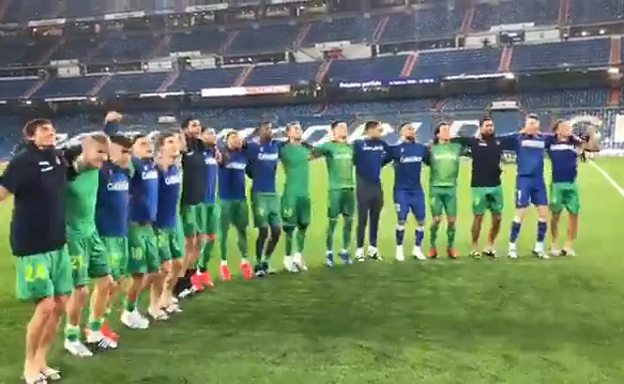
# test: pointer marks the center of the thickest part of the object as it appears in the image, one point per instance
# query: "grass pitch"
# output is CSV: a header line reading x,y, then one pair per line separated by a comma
x,y
502,321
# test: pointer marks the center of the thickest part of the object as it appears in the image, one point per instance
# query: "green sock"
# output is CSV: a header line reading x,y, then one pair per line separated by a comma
x,y
223,245
329,239
95,324
205,256
72,332
450,235
289,241
346,232
130,305
301,233
242,241
434,235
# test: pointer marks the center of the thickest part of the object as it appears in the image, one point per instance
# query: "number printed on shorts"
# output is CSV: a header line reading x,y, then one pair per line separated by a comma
x,y
397,207
76,261
38,272
137,253
113,259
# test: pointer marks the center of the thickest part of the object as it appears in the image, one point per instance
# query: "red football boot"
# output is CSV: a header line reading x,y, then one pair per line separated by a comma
x,y
433,253
224,272
197,283
452,253
246,271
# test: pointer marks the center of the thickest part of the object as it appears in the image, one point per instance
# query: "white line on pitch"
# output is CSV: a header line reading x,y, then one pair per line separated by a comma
x,y
609,178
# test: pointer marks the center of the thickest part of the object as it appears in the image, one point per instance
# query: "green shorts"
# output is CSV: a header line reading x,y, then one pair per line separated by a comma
x,y
443,200
234,212
487,198
179,229
564,195
266,209
88,258
117,251
192,219
143,250
208,219
296,211
168,244
44,275
341,202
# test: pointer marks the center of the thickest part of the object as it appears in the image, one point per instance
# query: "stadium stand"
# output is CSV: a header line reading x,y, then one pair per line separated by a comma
x,y
31,10
388,67
264,38
570,54
341,29
66,86
456,62
437,22
195,81
200,41
594,97
300,73
15,88
124,48
74,49
466,102
133,83
584,12
540,12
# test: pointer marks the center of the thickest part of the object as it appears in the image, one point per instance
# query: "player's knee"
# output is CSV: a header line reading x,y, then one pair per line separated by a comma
x,y
452,220
46,307
211,238
104,283
436,220
80,293
497,218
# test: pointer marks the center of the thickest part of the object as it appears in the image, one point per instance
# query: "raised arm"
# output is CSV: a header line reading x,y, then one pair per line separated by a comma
x,y
509,142
112,123
463,141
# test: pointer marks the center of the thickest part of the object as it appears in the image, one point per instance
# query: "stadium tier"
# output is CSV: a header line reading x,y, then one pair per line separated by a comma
x,y
367,69
264,38
197,41
195,81
148,82
569,54
282,74
583,11
514,12
457,62
424,24
341,29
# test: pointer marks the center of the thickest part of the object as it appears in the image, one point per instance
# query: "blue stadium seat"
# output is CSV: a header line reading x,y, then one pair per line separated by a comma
x,y
436,22
583,11
457,62
540,12
10,54
593,97
203,41
74,49
349,29
268,38
84,8
277,74
133,83
382,107
13,89
578,53
379,68
126,48
21,10
466,102
194,81
67,86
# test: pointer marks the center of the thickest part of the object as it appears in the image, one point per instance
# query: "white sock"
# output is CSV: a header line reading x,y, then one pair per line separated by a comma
x,y
224,263
359,252
344,251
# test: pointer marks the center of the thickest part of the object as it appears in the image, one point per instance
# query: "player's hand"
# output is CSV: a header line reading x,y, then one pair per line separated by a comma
x,y
113,116
218,156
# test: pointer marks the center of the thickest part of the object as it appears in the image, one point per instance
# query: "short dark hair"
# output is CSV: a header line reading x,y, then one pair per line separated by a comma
x,y
483,120
370,125
533,116
162,137
138,137
186,122
121,140
232,132
31,127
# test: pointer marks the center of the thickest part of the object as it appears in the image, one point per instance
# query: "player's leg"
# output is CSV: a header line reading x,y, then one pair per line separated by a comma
x,y
573,207
333,210
375,207
209,229
540,200
261,224
289,216
137,268
436,202
495,205
450,208
479,203
100,272
303,216
78,254
417,206
363,209
117,250
155,275
189,215
275,228
522,199
556,207
240,217
347,208
225,220
402,209
176,247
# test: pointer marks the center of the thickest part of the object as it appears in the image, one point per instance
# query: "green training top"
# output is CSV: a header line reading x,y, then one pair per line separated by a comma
x,y
295,160
339,157
444,165
80,199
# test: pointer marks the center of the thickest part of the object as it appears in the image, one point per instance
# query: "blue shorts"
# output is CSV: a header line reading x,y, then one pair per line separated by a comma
x,y
530,190
406,200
